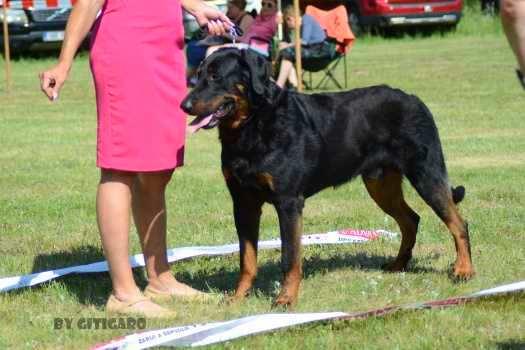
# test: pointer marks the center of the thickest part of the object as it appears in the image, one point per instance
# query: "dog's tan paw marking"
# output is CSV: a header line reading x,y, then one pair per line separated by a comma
x,y
463,272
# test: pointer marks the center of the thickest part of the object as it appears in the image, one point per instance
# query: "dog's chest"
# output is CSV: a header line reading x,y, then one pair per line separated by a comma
x,y
249,174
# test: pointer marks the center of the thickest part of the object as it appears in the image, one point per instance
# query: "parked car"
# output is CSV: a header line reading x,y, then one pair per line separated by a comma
x,y
36,23
368,14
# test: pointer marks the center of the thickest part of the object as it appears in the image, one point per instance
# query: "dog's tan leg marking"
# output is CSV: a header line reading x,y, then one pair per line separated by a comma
x,y
247,214
291,261
248,260
463,268
265,180
387,192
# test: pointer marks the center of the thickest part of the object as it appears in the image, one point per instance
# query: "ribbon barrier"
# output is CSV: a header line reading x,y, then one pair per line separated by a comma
x,y
333,237
217,332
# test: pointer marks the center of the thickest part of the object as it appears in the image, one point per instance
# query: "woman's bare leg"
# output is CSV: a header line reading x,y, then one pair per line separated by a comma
x,y
113,216
149,212
513,20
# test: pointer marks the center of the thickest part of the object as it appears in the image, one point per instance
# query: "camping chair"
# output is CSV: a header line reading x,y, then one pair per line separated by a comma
x,y
339,34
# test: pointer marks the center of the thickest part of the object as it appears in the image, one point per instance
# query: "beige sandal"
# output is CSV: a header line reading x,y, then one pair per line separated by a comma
x,y
131,307
188,293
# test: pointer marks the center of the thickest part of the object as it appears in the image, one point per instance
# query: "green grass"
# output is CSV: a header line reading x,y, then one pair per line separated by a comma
x,y
47,214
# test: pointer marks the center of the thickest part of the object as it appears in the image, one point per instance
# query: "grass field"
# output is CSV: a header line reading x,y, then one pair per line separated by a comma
x,y
47,214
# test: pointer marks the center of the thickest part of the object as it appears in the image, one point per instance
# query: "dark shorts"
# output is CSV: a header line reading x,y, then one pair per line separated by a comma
x,y
321,50
195,53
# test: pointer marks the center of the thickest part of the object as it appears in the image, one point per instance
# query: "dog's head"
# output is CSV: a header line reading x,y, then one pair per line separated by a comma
x,y
231,83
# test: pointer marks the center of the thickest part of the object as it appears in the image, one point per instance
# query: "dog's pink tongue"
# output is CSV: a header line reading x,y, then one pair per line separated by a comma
x,y
196,124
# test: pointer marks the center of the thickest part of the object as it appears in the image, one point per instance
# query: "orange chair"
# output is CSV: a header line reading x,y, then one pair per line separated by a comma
x,y
338,32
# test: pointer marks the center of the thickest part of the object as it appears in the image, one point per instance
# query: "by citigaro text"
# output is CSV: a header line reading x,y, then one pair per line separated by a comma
x,y
90,323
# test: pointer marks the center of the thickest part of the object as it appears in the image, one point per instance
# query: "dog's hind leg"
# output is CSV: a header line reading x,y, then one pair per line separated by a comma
x,y
247,213
289,211
437,193
387,192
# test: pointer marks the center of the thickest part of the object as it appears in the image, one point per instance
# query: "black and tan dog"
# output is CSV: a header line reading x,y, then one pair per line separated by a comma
x,y
282,147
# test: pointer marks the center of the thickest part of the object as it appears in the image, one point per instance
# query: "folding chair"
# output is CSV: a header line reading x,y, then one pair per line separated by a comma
x,y
339,34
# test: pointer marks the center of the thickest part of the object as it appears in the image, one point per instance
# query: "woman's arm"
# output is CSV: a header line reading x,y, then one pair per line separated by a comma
x,y
246,22
78,25
306,30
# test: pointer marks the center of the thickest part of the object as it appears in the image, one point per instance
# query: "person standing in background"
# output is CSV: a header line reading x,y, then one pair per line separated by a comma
x,y
513,20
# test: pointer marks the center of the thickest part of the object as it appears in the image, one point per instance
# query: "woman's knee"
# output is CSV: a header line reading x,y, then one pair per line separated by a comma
x,y
153,182
113,175
512,10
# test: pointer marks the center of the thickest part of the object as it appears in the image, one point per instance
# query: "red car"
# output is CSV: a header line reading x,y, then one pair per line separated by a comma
x,y
367,14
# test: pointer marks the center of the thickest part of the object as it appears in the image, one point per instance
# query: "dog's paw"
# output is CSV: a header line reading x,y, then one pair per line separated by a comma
x,y
463,272
231,300
396,266
284,300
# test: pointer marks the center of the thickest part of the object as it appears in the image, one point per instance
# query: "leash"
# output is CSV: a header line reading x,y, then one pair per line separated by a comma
x,y
235,32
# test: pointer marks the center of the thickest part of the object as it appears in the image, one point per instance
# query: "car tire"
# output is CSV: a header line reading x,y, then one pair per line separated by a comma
x,y
354,20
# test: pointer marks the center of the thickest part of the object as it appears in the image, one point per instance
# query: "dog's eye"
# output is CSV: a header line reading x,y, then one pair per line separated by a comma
x,y
213,77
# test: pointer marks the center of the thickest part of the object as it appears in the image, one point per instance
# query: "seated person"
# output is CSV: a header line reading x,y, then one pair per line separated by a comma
x,y
313,44
236,12
196,48
262,29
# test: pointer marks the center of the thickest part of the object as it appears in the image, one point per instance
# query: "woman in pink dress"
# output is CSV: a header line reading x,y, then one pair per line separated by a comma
x,y
138,67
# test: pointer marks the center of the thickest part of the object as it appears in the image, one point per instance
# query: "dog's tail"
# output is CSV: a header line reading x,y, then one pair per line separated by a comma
x,y
458,193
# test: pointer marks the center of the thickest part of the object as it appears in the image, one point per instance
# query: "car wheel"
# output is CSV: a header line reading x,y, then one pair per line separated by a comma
x,y
449,28
355,24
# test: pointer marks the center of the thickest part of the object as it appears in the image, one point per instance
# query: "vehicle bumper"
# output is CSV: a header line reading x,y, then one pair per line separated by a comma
x,y
28,39
411,20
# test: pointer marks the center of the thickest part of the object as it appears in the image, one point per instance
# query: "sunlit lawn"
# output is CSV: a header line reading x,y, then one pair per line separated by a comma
x,y
47,214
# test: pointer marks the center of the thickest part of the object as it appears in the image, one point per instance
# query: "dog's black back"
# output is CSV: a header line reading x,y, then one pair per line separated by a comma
x,y
310,142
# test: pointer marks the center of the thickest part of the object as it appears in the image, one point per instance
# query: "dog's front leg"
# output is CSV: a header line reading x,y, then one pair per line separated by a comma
x,y
247,213
290,211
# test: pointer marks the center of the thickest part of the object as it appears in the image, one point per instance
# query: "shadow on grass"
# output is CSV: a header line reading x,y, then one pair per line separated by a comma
x,y
511,345
224,279
94,288
89,288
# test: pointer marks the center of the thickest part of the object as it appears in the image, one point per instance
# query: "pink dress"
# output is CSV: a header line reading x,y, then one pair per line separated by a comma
x,y
138,67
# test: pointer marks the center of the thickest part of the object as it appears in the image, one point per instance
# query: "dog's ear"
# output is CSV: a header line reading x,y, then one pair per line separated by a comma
x,y
260,71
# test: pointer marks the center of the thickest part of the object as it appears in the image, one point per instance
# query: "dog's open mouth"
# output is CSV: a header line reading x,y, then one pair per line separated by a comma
x,y
211,120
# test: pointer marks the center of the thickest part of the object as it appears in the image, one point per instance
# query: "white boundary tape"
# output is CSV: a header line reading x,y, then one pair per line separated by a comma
x,y
211,333
217,332
333,237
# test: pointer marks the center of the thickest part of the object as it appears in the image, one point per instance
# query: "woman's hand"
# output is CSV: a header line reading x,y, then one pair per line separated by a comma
x,y
78,25
283,45
51,80
214,20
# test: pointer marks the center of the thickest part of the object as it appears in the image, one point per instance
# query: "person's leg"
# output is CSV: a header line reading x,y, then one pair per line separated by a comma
x,y
284,73
113,207
149,213
513,20
292,76
113,217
